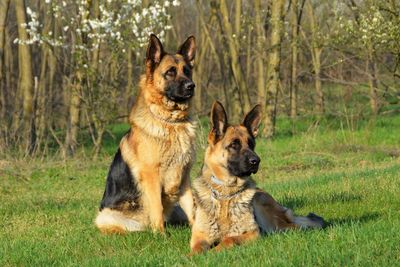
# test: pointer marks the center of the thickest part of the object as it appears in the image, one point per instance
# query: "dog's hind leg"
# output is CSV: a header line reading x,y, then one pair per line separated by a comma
x,y
115,222
310,221
271,216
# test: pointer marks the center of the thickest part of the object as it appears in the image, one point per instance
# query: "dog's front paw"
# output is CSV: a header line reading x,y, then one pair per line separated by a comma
x,y
158,226
226,242
199,247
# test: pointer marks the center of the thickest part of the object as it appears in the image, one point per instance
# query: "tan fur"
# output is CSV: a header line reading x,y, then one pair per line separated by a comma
x,y
159,151
231,241
216,157
115,221
270,215
225,219
230,210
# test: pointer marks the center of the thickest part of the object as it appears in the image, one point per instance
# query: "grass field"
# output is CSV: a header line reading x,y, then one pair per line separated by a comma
x,y
351,178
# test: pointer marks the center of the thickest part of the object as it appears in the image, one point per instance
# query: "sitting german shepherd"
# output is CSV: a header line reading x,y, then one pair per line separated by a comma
x,y
230,209
150,171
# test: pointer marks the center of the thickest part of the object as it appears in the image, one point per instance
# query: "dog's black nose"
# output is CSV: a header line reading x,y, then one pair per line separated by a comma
x,y
254,160
189,86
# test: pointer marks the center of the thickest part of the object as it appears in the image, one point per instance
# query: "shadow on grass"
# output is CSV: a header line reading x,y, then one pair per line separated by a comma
x,y
367,217
301,201
294,202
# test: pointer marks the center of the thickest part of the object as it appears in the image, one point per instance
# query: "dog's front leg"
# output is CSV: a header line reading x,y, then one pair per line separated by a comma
x,y
151,188
199,242
186,199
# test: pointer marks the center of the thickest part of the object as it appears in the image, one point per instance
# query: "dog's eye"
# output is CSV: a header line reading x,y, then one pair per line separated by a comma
x,y
187,71
235,144
171,72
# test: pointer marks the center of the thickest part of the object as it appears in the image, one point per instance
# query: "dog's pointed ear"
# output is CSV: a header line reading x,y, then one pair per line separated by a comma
x,y
219,122
253,119
188,50
155,51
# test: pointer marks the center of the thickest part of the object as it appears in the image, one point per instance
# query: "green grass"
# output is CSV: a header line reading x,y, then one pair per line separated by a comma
x,y
351,178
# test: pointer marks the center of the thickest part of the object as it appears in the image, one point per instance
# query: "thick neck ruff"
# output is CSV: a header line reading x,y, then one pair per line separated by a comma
x,y
170,111
170,118
220,196
160,122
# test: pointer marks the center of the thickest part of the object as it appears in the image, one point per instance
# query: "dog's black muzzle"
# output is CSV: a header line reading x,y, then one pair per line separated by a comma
x,y
253,163
180,91
244,165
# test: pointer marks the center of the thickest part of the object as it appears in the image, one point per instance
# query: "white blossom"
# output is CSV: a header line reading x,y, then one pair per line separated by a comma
x,y
116,24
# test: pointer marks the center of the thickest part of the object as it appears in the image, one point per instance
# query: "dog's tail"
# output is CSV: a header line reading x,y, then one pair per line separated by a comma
x,y
114,222
310,221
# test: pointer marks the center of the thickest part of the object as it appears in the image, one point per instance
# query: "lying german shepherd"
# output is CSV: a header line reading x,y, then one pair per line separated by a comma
x,y
150,171
230,209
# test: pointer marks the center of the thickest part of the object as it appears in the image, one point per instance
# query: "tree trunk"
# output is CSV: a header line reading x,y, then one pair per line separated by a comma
x,y
71,140
316,50
260,43
129,80
41,99
98,143
218,58
4,5
51,80
80,79
95,14
249,54
42,95
10,93
238,13
74,102
371,70
234,57
54,82
319,102
25,78
198,76
293,46
273,68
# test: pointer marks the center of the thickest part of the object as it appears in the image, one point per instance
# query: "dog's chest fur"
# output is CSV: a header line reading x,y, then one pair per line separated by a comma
x,y
172,141
179,147
224,217
165,147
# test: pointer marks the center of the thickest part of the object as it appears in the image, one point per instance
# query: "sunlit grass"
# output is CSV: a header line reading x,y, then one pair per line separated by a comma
x,y
351,178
